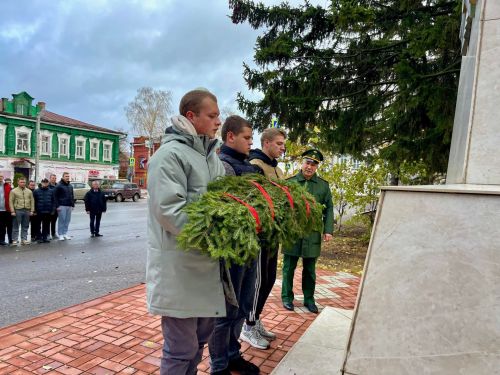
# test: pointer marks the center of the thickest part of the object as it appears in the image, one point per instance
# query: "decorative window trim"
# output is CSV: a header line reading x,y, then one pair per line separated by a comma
x,y
94,141
46,133
3,130
110,144
24,130
80,138
60,137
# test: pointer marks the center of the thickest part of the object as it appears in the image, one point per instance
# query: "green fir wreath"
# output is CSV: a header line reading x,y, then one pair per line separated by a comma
x,y
231,219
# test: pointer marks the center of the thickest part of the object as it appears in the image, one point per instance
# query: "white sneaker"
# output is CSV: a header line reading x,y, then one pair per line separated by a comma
x,y
268,335
67,237
251,335
61,238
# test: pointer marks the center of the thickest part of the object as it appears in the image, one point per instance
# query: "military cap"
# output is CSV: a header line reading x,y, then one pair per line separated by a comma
x,y
313,154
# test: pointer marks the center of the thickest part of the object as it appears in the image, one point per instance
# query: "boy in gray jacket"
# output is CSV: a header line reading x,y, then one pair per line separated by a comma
x,y
184,287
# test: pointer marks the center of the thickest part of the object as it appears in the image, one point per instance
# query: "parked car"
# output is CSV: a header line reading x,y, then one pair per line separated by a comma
x,y
80,189
119,191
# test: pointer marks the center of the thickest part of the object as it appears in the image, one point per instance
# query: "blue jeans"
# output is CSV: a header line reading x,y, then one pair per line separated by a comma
x,y
64,218
22,218
224,345
183,344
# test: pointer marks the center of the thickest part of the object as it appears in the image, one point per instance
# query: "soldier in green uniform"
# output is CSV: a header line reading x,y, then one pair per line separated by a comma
x,y
308,248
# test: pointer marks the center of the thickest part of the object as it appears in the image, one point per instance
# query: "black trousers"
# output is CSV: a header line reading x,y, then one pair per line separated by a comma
x,y
5,226
45,220
95,222
53,220
267,275
35,227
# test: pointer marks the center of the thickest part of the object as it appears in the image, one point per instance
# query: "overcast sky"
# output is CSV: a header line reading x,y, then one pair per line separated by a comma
x,y
87,58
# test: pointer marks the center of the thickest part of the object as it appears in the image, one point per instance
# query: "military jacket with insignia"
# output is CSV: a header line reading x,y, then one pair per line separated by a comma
x,y
310,247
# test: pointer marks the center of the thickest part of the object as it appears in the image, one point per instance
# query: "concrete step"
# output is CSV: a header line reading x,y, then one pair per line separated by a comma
x,y
321,349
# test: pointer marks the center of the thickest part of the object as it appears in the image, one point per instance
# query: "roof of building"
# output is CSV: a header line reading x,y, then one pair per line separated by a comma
x,y
63,120
68,121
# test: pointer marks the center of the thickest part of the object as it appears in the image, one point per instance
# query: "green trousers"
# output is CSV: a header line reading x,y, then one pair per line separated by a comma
x,y
308,278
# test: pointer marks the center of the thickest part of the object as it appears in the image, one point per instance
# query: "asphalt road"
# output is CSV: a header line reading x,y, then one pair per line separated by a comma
x,y
42,278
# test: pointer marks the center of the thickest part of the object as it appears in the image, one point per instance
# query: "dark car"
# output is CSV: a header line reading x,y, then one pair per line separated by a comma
x,y
119,191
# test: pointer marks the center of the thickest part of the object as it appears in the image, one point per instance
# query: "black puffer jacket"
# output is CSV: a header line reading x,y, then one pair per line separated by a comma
x,y
44,200
95,201
236,161
63,194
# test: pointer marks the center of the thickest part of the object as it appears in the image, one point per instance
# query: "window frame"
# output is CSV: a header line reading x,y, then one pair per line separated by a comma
x,y
110,156
60,137
84,140
23,130
94,141
46,133
3,131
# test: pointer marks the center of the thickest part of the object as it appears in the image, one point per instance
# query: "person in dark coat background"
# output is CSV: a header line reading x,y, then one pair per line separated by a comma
x,y
44,207
95,205
35,221
53,219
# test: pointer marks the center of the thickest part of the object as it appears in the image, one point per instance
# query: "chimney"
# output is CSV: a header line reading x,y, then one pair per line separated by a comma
x,y
3,104
41,105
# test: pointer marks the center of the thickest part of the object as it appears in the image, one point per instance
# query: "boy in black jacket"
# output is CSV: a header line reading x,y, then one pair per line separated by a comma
x,y
44,208
95,205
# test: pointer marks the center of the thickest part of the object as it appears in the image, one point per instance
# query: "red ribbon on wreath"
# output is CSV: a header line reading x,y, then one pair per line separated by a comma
x,y
287,192
252,210
266,196
308,206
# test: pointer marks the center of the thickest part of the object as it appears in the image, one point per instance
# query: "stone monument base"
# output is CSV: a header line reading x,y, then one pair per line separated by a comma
x,y
429,302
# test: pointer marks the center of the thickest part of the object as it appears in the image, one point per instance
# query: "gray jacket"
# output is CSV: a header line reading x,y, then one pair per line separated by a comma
x,y
180,284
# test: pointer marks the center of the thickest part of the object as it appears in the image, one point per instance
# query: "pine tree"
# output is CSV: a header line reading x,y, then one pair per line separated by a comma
x,y
371,75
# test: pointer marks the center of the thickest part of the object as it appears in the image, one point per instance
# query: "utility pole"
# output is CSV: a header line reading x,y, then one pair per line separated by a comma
x,y
37,147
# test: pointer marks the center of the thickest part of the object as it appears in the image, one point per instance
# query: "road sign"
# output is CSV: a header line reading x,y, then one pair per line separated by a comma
x,y
131,162
274,122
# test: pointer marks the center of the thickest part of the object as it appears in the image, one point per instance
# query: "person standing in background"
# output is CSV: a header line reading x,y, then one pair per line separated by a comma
x,y
65,202
53,218
44,207
95,205
8,182
22,206
5,216
34,220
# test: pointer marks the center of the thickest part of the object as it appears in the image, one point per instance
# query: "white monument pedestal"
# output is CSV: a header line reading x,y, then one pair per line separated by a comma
x,y
430,298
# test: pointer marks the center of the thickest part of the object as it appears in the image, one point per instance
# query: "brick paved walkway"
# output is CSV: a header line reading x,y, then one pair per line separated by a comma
x,y
115,334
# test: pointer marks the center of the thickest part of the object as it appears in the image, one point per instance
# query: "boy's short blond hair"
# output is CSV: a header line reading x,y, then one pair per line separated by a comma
x,y
270,133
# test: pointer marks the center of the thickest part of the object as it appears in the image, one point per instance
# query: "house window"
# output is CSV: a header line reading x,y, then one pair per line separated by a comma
x,y
22,142
23,139
106,151
45,144
80,148
2,138
63,145
20,109
94,150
